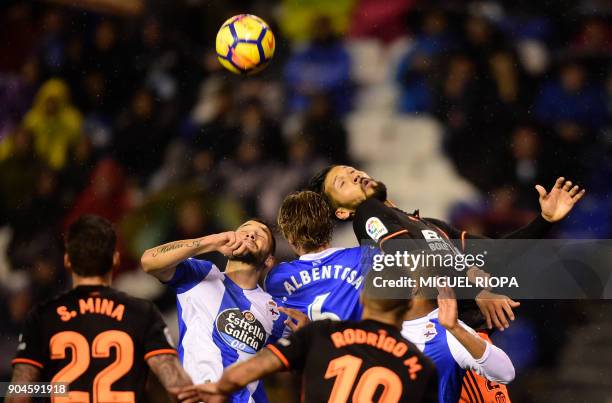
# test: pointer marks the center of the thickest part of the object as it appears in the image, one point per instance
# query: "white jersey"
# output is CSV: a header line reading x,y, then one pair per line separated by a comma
x,y
451,357
221,324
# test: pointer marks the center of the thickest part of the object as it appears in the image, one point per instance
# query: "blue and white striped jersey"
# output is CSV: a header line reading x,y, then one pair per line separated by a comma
x,y
221,323
448,354
324,285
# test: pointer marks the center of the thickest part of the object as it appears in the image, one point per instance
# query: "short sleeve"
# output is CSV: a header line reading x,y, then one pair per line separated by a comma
x,y
157,339
188,274
31,349
292,351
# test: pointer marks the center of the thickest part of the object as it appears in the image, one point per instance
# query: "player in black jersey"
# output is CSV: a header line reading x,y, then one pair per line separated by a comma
x,y
354,195
98,340
359,361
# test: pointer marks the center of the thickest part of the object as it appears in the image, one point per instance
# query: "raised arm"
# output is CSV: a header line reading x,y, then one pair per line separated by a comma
x,y
23,373
161,261
234,378
468,349
170,373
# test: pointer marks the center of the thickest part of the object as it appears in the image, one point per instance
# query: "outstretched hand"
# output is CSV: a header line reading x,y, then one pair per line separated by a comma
x,y
557,203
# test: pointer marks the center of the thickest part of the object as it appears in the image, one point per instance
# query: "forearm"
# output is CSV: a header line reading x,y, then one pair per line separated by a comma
x,y
536,229
169,371
486,359
23,373
472,343
160,260
240,375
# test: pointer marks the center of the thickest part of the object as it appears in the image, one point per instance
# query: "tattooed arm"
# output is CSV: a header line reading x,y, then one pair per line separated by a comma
x,y
161,261
23,373
170,373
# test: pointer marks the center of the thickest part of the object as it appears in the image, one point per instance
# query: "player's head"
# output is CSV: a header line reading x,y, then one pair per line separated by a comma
x,y
262,243
345,188
305,220
381,300
91,247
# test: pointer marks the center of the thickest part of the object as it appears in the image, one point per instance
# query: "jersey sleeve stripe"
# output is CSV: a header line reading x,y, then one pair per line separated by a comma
x,y
27,361
402,231
160,351
280,355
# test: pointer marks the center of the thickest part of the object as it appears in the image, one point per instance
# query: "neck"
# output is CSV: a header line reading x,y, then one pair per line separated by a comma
x,y
301,251
388,317
96,280
245,275
389,203
420,307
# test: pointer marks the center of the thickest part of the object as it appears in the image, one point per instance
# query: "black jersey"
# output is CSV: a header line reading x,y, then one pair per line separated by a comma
x,y
378,222
96,339
365,361
392,230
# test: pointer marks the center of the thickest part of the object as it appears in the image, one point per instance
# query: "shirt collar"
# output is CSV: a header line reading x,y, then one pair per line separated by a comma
x,y
319,255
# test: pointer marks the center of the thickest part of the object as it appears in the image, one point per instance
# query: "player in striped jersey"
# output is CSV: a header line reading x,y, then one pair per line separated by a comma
x,y
224,317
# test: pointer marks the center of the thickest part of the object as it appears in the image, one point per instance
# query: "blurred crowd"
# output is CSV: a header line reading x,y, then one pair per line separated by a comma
x,y
133,118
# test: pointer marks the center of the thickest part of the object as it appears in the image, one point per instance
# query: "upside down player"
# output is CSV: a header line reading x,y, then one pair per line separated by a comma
x,y
305,220
359,361
354,195
98,340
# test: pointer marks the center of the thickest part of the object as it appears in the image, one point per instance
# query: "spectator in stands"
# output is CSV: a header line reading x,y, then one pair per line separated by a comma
x,y
107,194
572,101
107,55
526,165
52,42
242,176
18,172
216,135
455,106
137,129
369,17
16,94
54,122
256,127
504,96
594,38
326,131
322,67
415,70
303,162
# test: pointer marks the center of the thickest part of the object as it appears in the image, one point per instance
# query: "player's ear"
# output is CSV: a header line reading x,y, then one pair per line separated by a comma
x,y
269,262
343,213
116,260
67,263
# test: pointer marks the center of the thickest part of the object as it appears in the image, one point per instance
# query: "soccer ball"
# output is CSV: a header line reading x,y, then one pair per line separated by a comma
x,y
245,44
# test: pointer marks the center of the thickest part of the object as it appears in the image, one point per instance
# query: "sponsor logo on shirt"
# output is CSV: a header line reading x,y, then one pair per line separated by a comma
x,y
241,330
375,228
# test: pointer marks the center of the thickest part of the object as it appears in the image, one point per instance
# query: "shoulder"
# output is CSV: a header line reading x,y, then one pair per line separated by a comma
x,y
278,272
51,303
